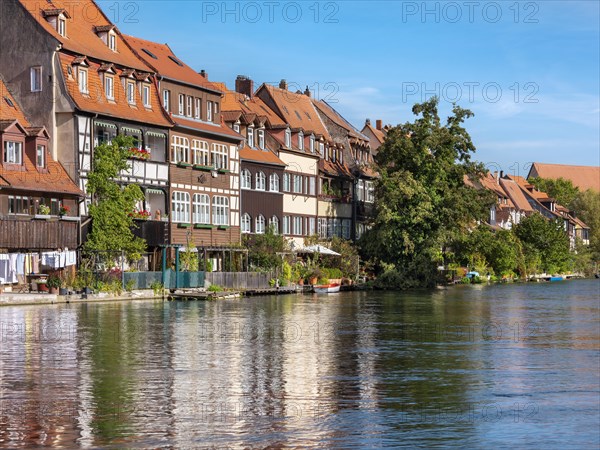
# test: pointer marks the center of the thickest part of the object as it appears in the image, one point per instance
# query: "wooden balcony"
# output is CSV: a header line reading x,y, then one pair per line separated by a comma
x,y
154,232
28,233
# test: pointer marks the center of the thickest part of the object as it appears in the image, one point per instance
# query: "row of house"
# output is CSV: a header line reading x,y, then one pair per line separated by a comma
x,y
214,163
517,199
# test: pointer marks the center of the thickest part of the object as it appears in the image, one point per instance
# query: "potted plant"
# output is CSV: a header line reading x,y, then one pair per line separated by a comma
x,y
64,210
44,210
54,283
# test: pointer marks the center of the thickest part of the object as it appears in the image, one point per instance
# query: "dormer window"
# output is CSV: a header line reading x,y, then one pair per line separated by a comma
x,y
146,95
181,104
82,77
62,26
250,137
109,87
321,148
288,138
312,144
209,111
261,139
131,92
197,109
236,127
13,152
40,156
301,140
112,41
189,105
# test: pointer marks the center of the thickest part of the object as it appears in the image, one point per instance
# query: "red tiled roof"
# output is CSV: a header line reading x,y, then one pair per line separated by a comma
x,y
297,110
583,177
221,129
379,134
337,118
167,64
263,156
81,37
234,101
515,193
96,101
10,110
55,179
334,169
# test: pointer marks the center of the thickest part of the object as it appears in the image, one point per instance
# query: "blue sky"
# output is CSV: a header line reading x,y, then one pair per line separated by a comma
x,y
528,70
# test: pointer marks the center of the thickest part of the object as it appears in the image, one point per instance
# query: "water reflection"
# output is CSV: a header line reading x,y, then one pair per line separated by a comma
x,y
462,366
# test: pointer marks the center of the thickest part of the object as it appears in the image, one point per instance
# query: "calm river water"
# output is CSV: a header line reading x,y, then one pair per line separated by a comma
x,y
474,367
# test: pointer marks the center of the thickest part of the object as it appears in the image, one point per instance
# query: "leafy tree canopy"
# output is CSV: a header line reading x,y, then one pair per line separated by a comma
x,y
112,202
559,189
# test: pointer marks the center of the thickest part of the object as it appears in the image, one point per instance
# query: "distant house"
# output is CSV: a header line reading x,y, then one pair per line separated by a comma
x,y
583,177
375,134
38,200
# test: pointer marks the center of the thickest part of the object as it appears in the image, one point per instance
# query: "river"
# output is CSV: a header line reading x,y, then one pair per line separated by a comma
x,y
470,366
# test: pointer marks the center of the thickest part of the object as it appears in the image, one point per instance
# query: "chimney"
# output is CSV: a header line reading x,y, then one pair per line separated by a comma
x,y
204,74
502,174
283,85
368,122
378,122
307,91
244,85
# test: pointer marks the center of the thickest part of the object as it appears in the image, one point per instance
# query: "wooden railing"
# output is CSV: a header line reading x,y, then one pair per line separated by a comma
x,y
34,234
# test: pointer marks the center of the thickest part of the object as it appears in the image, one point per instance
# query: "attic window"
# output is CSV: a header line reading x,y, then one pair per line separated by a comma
x,y
9,102
298,115
112,41
175,60
61,26
149,53
308,115
285,108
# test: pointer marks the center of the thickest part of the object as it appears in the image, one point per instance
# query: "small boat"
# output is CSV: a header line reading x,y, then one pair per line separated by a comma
x,y
326,288
556,278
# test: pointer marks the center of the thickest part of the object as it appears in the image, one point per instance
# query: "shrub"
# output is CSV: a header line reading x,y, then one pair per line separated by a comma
x,y
54,281
214,288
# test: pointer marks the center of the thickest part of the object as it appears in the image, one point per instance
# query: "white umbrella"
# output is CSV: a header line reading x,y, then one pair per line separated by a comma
x,y
317,248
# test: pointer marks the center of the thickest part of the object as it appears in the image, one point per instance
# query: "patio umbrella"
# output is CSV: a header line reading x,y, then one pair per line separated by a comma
x,y
318,248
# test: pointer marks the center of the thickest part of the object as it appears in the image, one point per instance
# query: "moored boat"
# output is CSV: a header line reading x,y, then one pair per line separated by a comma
x,y
326,288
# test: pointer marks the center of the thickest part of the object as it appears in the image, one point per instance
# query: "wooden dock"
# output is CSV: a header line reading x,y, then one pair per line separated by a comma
x,y
194,294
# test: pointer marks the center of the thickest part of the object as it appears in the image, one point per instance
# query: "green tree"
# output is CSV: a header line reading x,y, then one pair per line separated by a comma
x,y
263,249
559,189
545,242
112,203
587,208
422,202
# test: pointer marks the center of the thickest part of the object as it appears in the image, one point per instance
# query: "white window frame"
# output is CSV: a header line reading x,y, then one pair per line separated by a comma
x,y
246,179
311,186
321,149
40,155
286,182
274,182
112,41
261,139
274,224
180,207
370,190
250,135
82,80
190,106
311,226
301,140
167,100
180,149
287,225
246,223
312,143
220,156
35,75
201,209
61,26
297,222
146,95
209,111
260,225
220,210
261,181
200,152
109,87
181,104
288,138
297,184
236,127
13,152
130,92
198,105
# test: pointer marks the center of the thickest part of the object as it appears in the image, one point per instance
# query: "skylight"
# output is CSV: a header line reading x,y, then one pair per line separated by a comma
x,y
149,53
9,101
175,60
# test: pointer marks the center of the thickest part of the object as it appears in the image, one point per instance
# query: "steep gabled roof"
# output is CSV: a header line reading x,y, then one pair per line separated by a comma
x,y
9,108
85,18
164,62
379,134
338,119
297,110
515,193
234,102
583,177
96,102
207,127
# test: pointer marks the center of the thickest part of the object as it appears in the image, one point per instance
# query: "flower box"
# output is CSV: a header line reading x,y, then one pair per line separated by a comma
x,y
139,153
223,227
184,225
70,218
140,215
42,216
204,168
203,226
223,171
183,164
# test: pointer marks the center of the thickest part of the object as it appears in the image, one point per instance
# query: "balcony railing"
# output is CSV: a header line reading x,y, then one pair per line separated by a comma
x,y
26,232
155,232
